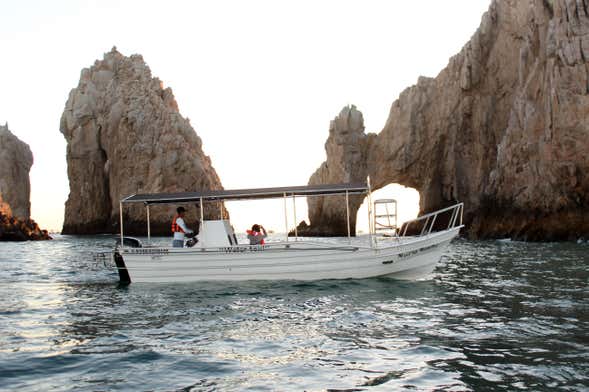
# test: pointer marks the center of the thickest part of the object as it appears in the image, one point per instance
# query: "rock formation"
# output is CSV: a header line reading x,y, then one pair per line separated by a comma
x,y
503,128
346,163
125,135
16,160
13,228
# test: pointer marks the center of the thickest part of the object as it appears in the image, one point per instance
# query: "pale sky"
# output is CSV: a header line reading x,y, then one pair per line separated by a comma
x,y
259,80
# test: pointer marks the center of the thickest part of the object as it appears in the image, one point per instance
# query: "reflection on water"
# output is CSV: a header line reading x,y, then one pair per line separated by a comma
x,y
497,316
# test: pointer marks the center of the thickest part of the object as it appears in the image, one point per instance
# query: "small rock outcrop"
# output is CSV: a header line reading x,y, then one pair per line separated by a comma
x,y
16,160
124,136
18,229
503,128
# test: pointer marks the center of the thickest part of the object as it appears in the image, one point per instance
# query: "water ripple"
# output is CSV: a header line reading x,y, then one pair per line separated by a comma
x,y
497,316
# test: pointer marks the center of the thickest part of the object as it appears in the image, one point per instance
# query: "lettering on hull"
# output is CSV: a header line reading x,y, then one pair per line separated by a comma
x,y
404,255
147,251
242,249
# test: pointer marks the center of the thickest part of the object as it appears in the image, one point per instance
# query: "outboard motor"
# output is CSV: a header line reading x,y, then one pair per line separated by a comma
x,y
130,242
192,240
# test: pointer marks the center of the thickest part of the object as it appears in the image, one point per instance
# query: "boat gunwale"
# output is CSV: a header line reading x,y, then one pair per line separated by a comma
x,y
283,246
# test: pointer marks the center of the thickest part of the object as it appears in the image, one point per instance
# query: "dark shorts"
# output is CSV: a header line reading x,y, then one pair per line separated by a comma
x,y
178,243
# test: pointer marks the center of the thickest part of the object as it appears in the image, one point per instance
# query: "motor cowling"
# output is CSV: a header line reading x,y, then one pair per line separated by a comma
x,y
130,242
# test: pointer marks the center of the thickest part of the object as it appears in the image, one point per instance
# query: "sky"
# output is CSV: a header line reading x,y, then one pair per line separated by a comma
x,y
259,80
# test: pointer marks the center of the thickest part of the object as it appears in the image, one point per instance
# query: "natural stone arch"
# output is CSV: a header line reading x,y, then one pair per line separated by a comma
x,y
352,156
503,128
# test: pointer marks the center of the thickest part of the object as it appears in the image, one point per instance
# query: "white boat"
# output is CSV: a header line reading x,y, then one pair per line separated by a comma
x,y
219,257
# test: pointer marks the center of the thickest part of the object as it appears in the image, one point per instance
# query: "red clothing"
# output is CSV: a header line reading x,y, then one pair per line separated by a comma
x,y
175,226
253,237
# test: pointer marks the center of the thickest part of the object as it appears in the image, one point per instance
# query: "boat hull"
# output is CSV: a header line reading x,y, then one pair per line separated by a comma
x,y
402,259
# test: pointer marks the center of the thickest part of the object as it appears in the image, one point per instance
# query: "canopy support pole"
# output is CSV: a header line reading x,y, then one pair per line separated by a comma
x,y
121,217
294,208
285,217
202,213
370,212
148,225
348,217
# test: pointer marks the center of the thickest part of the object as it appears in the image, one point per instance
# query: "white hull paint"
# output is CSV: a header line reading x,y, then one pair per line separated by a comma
x,y
403,258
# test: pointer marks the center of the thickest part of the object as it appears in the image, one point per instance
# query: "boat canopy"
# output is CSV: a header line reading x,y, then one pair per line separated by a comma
x,y
248,194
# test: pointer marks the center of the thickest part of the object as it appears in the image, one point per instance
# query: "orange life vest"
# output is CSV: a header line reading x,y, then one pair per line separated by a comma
x,y
255,234
175,227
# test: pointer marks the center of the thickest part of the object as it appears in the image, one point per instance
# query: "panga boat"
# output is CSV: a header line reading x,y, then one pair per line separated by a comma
x,y
409,252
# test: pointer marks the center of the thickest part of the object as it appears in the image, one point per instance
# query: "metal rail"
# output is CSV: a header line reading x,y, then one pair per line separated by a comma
x,y
300,245
455,220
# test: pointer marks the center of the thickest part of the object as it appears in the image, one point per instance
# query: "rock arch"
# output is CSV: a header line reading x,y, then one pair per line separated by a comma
x,y
503,128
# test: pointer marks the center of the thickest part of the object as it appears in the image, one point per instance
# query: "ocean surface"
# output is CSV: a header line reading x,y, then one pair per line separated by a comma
x,y
497,316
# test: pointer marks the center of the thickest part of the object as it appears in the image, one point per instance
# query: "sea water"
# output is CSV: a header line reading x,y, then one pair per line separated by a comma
x,y
495,316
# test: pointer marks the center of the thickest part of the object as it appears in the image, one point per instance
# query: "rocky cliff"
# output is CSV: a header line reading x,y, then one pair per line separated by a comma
x,y
125,135
504,128
16,160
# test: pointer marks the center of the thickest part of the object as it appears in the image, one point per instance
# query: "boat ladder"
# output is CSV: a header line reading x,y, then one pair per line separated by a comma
x,y
385,217
104,258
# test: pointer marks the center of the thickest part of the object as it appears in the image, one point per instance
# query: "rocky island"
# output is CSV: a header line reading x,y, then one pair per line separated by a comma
x,y
16,160
124,136
503,128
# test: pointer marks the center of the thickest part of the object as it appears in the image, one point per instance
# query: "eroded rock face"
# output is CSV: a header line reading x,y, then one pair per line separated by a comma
x,y
346,163
16,160
504,128
125,135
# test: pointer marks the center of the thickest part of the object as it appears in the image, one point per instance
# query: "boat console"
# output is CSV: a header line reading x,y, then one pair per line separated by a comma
x,y
216,234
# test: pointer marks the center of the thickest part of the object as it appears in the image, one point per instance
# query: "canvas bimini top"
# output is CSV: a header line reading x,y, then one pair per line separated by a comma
x,y
248,194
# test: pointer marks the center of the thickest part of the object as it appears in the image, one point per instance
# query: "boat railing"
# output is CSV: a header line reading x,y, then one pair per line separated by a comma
x,y
426,224
300,245
238,248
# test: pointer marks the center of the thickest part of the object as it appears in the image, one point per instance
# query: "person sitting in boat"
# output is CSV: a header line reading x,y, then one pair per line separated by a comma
x,y
179,228
256,235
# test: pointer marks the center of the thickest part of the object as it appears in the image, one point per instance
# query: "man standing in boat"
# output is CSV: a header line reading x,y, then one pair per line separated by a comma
x,y
179,228
256,235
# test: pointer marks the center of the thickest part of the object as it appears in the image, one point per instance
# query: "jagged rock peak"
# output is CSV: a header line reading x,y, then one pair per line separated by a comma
x,y
346,162
502,128
344,148
349,119
16,160
125,135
